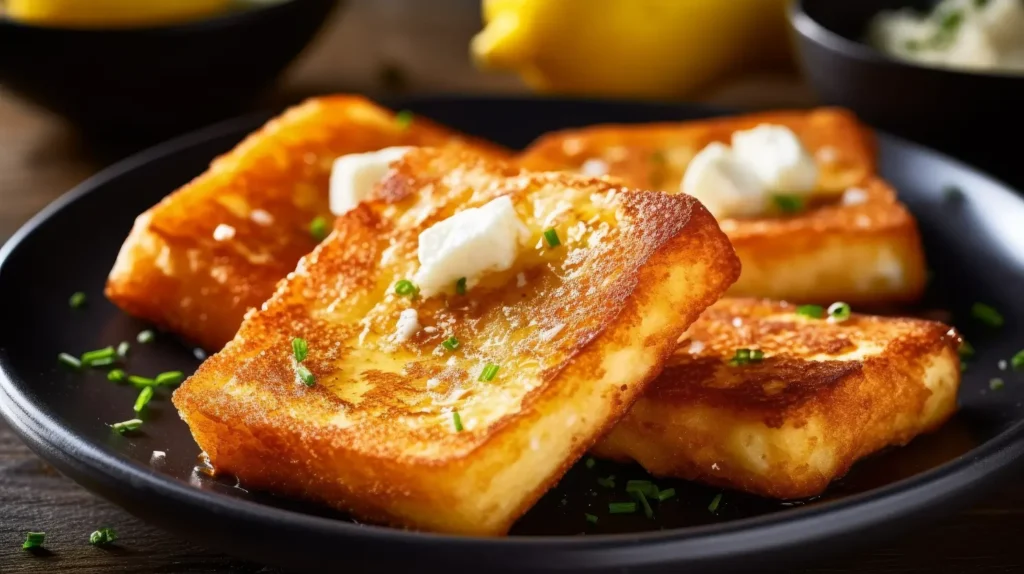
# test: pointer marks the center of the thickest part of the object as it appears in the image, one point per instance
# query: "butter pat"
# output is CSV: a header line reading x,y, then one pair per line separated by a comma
x,y
777,157
354,175
725,185
469,244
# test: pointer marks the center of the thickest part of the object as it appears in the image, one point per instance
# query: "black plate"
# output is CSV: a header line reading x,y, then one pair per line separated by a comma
x,y
975,240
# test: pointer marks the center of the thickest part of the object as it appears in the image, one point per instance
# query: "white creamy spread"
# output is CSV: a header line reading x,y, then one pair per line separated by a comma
x,y
966,34
469,244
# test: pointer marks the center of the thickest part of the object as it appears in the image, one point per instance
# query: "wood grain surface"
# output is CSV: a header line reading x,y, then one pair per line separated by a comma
x,y
41,157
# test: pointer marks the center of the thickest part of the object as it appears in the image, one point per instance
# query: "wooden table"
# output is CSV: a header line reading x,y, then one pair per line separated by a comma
x,y
41,157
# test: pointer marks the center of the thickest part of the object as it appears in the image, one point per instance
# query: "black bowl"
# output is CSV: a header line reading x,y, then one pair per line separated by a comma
x,y
960,112
156,81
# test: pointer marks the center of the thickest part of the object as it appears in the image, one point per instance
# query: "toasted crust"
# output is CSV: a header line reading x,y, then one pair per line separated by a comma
x,y
864,253
173,272
593,322
826,395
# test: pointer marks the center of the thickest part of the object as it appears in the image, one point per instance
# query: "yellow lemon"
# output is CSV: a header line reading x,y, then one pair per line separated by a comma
x,y
658,48
112,13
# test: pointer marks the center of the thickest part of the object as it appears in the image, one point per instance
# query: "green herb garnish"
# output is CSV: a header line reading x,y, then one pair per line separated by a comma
x,y
451,343
169,378
591,518
116,375
305,375
621,507
1017,362
713,507
607,482
300,349
839,311
966,350
666,494
126,426
33,540
77,300
489,372
99,357
746,357
141,381
102,537
457,421
987,315
646,487
406,288
551,237
952,193
404,119
590,462
789,203
145,337
648,511
460,286
69,361
996,384
319,228
812,311
145,396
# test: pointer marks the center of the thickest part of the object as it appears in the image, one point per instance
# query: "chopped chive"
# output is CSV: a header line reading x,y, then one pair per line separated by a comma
x,y
129,425
1017,362
404,119
789,203
451,343
77,300
746,356
590,518
305,375
590,462
141,381
319,229
551,236
69,360
839,311
658,156
996,384
300,348
89,358
666,494
104,362
145,337
170,378
33,540
966,350
713,507
116,375
608,482
460,286
145,396
102,537
122,349
951,21
406,288
457,421
987,315
645,487
648,511
812,311
489,372
963,367
756,355
621,507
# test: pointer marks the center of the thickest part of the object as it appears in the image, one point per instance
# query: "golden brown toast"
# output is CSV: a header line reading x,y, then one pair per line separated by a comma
x,y
577,332
825,395
869,252
264,194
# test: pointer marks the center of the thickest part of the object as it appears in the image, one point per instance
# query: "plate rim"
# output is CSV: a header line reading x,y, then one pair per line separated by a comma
x,y
937,488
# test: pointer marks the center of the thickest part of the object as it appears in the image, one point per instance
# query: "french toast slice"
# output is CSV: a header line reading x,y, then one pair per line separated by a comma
x,y
862,247
576,332
178,269
825,395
